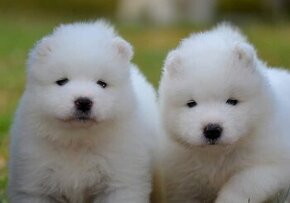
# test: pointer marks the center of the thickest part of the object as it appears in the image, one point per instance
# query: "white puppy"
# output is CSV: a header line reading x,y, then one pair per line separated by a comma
x,y
228,116
84,125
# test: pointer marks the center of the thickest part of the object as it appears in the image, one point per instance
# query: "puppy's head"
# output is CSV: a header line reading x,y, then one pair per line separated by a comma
x,y
80,75
212,91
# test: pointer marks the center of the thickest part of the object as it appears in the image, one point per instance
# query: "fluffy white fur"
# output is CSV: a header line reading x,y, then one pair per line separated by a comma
x,y
56,157
250,162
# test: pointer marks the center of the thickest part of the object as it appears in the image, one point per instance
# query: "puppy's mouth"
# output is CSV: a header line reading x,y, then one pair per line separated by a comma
x,y
212,142
83,118
80,120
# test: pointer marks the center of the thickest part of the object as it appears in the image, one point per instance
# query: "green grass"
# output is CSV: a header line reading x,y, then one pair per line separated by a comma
x,y
19,33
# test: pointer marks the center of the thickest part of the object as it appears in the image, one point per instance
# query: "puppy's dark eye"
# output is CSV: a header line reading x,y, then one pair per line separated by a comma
x,y
102,83
191,103
232,101
62,81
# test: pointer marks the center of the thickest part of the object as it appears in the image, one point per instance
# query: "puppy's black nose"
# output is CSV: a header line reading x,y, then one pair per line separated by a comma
x,y
83,104
212,131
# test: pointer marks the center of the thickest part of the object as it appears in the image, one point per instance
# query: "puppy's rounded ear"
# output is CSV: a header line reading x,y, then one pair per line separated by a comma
x,y
43,47
245,53
173,63
123,47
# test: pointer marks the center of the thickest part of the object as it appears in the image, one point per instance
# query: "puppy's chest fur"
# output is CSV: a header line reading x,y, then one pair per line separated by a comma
x,y
73,176
210,176
201,177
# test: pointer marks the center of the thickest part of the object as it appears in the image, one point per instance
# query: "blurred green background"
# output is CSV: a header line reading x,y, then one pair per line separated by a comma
x,y
23,22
